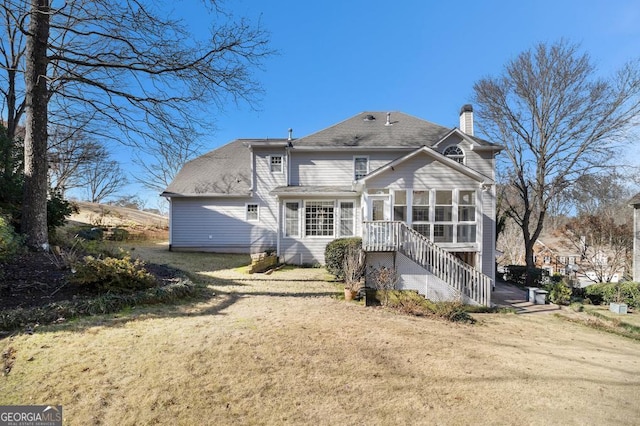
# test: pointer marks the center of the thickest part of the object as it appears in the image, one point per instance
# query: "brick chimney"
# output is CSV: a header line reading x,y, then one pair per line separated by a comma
x,y
466,119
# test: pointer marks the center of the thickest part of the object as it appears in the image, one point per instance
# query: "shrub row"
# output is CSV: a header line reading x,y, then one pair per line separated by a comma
x,y
12,319
411,303
626,292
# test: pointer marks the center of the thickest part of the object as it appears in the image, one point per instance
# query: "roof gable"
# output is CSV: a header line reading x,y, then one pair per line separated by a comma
x,y
479,177
223,171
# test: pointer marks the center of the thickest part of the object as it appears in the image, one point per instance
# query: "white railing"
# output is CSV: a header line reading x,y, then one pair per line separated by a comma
x,y
392,236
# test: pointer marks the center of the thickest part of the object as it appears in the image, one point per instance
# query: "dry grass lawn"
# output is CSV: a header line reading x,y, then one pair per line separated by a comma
x,y
282,349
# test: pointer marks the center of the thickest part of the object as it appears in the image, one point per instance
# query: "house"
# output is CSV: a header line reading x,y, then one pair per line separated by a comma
x,y
635,203
583,264
422,197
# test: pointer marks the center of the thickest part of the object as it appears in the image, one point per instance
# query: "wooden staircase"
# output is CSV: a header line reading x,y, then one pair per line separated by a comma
x,y
397,236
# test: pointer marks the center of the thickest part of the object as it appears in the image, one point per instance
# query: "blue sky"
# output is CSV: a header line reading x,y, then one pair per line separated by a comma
x,y
338,58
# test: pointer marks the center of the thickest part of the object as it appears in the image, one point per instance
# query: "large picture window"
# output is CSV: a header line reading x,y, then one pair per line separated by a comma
x,y
292,219
319,218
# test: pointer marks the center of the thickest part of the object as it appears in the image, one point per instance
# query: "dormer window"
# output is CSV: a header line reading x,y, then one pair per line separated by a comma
x,y
455,153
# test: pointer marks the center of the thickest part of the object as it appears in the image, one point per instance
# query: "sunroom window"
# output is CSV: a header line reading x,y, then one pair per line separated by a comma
x,y
443,232
420,213
466,216
400,205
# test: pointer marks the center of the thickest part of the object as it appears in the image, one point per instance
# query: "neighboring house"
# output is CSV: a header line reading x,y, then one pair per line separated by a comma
x,y
421,196
635,203
558,255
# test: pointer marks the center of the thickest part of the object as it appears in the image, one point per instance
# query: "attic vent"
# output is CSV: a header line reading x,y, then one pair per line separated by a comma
x,y
369,118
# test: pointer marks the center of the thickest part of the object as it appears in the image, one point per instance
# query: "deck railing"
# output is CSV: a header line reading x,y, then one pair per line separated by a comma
x,y
397,236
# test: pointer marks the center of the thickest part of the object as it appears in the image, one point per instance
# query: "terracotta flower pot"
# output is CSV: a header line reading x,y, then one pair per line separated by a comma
x,y
349,294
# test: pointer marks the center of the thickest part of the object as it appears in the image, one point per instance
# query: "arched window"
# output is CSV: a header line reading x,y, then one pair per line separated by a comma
x,y
455,153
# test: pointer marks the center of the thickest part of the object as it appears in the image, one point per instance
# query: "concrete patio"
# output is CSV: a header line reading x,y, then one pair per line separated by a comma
x,y
509,296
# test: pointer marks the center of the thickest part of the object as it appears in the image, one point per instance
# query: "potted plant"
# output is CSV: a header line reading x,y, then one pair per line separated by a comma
x,y
353,266
617,305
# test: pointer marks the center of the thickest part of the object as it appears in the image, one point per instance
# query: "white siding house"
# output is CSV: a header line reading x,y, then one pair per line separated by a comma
x,y
410,188
635,203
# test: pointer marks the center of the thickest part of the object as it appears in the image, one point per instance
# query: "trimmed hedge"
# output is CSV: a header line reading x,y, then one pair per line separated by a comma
x,y
517,274
334,254
627,292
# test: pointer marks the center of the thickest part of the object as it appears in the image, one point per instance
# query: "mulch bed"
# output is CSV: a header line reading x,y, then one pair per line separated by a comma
x,y
32,279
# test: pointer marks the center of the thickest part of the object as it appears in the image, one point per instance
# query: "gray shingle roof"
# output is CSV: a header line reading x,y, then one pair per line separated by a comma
x,y
635,200
223,171
312,190
369,129
226,171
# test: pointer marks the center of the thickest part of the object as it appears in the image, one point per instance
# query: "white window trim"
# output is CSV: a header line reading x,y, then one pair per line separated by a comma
x,y
366,157
281,164
300,218
246,212
463,156
304,219
339,218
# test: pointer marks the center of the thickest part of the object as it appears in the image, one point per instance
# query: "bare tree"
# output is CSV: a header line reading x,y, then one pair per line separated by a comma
x,y
69,150
605,194
12,51
128,67
605,245
558,122
101,178
166,155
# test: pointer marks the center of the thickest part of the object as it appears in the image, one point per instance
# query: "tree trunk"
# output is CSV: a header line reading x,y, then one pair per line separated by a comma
x,y
530,262
34,206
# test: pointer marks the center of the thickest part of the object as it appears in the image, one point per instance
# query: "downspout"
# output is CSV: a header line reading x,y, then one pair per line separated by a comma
x,y
288,151
170,222
278,227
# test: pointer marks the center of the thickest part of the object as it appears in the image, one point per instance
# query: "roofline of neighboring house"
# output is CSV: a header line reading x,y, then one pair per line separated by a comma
x,y
205,195
436,155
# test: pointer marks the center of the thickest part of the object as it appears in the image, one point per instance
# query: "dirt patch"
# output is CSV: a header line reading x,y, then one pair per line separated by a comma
x,y
33,279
